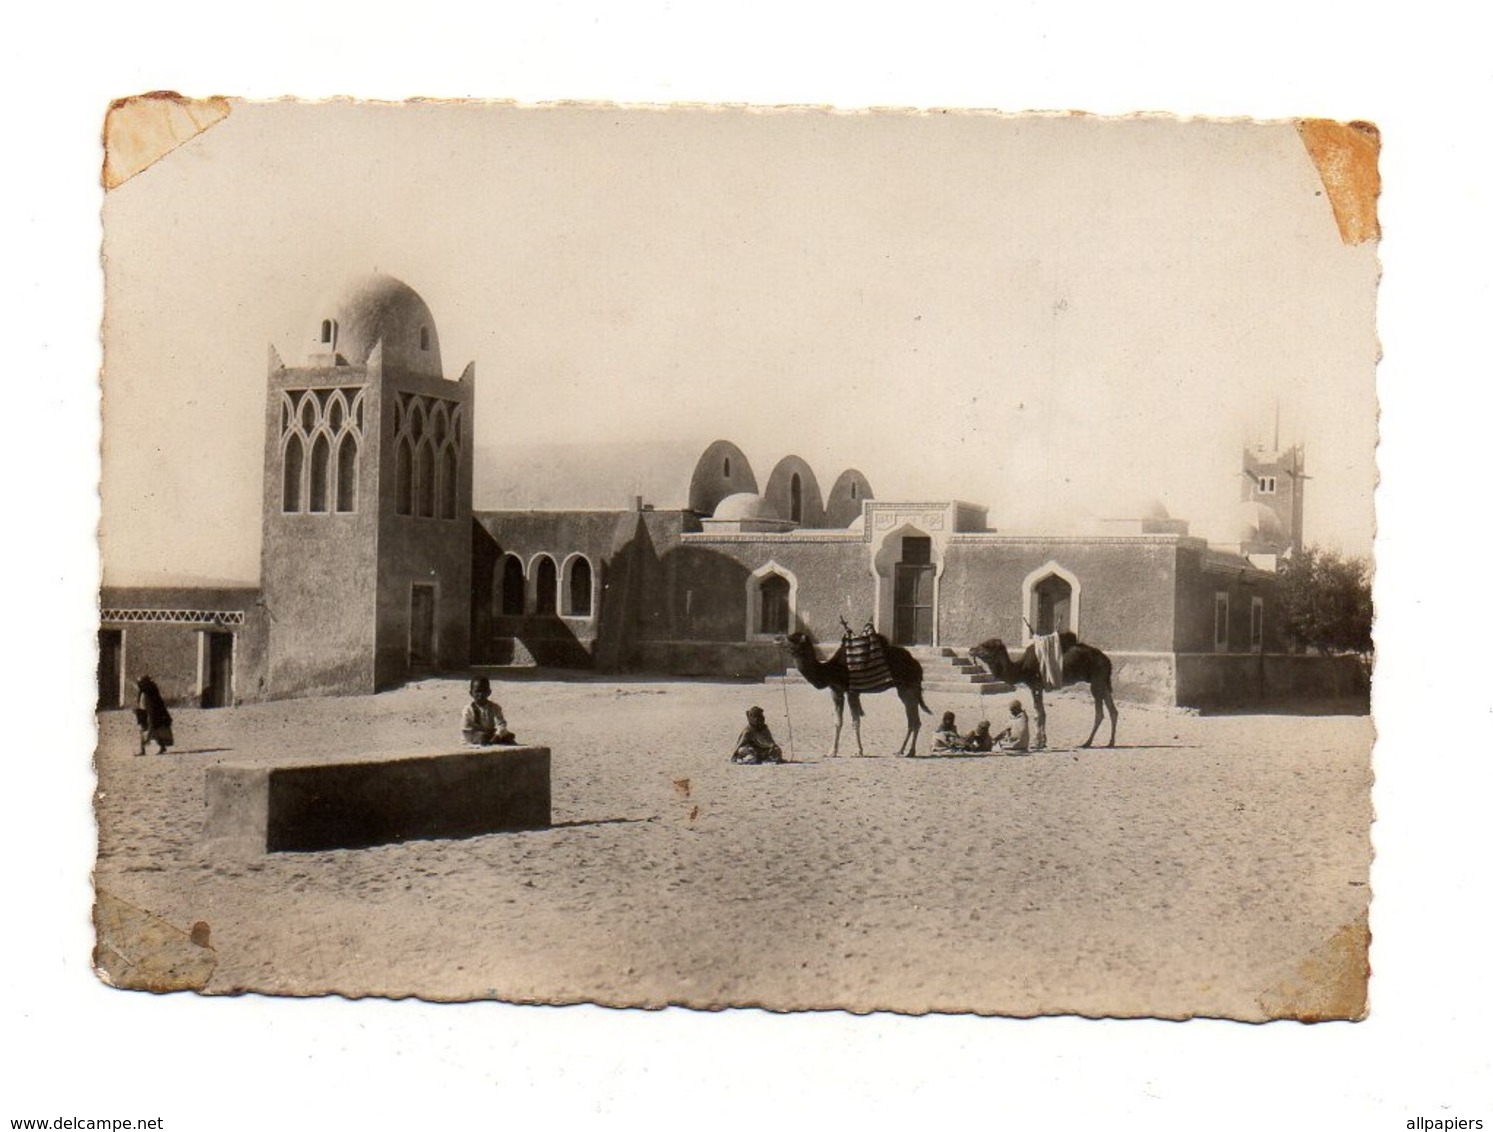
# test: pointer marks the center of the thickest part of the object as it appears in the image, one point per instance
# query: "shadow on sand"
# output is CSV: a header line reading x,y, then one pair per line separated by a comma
x,y
543,674
1328,705
599,821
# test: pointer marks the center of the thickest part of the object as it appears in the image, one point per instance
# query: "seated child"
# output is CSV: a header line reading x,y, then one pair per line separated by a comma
x,y
947,738
482,724
755,744
979,739
1016,736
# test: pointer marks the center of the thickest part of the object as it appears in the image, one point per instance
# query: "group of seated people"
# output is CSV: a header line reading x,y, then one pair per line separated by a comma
x,y
1014,737
755,744
483,725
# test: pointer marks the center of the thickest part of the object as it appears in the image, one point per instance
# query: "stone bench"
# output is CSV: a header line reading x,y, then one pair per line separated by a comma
x,y
352,802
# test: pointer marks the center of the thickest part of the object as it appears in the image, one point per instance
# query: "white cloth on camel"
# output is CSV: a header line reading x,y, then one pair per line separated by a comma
x,y
1049,659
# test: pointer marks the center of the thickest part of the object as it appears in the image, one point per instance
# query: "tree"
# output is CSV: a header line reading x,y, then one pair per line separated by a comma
x,y
1329,601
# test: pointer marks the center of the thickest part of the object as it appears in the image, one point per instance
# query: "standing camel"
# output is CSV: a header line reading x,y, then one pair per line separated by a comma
x,y
1081,664
834,674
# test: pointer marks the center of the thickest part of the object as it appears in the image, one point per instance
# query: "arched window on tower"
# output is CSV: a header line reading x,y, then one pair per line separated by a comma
x,y
579,589
726,467
404,491
448,483
546,586
347,475
326,331
774,591
425,482
513,587
796,499
424,337
294,457
854,489
321,457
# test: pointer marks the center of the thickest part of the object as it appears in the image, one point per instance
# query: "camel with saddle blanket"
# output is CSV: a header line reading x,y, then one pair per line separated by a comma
x,y
865,663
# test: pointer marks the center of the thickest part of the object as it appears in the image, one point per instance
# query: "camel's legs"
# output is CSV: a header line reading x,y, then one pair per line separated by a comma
x,y
1098,718
855,721
1041,713
914,725
1103,699
909,744
839,720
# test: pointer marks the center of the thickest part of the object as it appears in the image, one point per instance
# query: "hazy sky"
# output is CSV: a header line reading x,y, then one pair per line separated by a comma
x,y
1053,317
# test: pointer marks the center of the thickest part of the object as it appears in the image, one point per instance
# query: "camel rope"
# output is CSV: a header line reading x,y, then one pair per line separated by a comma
x,y
792,755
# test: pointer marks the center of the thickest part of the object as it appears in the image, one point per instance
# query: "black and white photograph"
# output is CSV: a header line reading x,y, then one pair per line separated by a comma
x,y
661,565
738,557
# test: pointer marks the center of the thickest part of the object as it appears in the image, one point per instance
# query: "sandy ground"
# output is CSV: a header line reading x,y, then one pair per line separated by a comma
x,y
1208,865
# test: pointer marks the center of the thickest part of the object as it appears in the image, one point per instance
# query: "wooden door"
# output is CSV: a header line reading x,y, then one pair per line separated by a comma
x,y
912,593
422,627
110,667
219,690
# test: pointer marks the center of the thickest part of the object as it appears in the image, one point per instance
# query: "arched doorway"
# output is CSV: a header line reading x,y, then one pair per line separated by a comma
x,y
1052,598
546,586
912,592
907,561
512,593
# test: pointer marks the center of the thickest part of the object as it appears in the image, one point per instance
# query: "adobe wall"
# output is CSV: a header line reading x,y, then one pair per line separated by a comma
x,y
674,600
320,579
1124,598
426,550
1198,582
171,651
553,639
317,570
701,592
1242,679
1144,677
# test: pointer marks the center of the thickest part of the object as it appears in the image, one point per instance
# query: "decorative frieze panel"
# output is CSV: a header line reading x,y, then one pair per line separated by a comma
x,y
929,518
208,617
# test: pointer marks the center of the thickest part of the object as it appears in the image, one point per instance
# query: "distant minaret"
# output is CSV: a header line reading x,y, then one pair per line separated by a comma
x,y
1276,478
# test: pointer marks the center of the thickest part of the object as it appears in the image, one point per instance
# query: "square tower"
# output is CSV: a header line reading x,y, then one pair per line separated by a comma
x,y
366,554
1275,480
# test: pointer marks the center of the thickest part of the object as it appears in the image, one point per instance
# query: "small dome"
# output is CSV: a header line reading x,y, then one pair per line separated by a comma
x,y
1257,523
1153,509
743,505
374,309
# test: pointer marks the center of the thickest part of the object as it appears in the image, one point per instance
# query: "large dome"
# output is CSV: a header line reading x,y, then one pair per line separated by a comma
x,y
376,308
743,505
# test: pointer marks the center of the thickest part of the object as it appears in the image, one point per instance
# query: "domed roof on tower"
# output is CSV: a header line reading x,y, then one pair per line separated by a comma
x,y
373,309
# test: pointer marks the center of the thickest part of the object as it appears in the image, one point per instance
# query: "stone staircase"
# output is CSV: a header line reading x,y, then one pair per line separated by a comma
x,y
946,671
